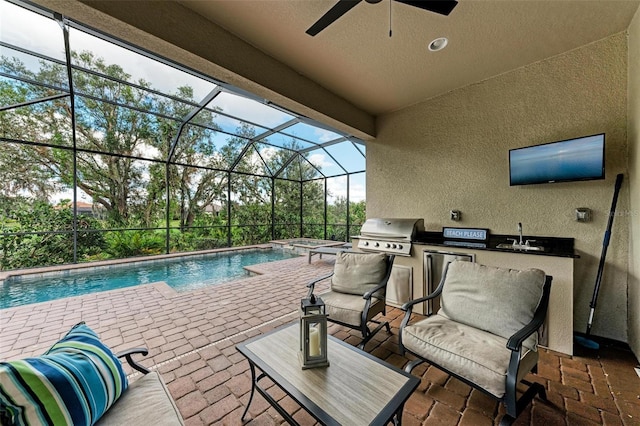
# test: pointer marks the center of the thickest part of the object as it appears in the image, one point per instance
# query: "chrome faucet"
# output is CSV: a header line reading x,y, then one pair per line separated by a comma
x,y
520,233
519,243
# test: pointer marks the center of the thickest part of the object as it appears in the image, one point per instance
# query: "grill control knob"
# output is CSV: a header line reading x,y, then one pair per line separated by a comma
x,y
399,246
393,246
366,243
387,245
377,245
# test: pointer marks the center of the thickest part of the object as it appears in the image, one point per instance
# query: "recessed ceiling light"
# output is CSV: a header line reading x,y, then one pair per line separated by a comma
x,y
438,44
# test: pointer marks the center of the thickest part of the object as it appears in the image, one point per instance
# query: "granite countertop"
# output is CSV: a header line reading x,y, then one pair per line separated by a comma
x,y
553,246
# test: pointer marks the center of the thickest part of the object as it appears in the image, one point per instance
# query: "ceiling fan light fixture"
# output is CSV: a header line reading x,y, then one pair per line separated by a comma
x,y
438,44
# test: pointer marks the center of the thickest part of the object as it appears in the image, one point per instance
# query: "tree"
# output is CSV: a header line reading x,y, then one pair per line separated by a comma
x,y
102,126
199,182
124,134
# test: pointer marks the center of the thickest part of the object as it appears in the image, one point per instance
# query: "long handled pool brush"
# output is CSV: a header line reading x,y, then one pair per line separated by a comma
x,y
584,340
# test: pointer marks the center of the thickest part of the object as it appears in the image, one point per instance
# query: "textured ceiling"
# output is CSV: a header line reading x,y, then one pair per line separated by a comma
x,y
356,59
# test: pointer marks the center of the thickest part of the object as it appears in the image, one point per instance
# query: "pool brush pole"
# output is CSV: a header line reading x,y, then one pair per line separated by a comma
x,y
605,245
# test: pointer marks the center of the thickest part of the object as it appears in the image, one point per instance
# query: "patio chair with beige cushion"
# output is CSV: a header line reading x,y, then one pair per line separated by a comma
x,y
357,292
485,333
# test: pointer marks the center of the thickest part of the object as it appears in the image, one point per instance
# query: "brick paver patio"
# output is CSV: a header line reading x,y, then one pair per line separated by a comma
x,y
192,336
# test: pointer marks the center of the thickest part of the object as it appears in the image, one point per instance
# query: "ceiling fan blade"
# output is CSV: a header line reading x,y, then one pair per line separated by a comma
x,y
339,9
442,7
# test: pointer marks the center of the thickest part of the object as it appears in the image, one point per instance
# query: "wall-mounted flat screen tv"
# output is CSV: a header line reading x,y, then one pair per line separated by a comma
x,y
564,161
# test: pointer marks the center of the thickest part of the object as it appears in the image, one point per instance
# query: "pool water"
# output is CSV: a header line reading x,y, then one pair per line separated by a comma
x,y
182,273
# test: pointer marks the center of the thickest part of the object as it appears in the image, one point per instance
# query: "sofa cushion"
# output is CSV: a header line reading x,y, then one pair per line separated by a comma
x,y
476,355
147,401
358,273
347,308
74,382
500,301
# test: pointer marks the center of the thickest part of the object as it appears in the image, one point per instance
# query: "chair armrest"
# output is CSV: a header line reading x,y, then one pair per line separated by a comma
x,y
515,341
406,306
317,280
370,293
127,355
311,285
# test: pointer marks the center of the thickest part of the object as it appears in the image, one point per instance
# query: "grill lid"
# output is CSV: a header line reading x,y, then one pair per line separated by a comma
x,y
391,229
391,236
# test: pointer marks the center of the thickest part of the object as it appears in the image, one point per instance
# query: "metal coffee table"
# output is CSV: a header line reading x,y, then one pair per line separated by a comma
x,y
357,389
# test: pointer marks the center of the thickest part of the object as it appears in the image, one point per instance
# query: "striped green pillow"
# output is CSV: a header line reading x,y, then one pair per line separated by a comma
x,y
73,383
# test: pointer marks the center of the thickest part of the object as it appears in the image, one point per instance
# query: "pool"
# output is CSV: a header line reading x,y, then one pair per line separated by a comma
x,y
183,273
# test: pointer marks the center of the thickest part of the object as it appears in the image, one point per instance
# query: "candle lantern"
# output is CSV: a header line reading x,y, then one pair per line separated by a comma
x,y
313,333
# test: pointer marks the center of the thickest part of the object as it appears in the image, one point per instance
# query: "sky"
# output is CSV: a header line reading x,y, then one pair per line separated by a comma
x,y
43,35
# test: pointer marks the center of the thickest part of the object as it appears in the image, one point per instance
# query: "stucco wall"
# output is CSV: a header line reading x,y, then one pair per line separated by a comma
x,y
451,152
634,184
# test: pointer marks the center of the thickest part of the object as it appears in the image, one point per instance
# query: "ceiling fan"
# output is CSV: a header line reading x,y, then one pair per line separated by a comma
x,y
443,7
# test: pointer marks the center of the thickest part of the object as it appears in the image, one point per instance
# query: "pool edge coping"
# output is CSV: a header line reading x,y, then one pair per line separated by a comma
x,y
4,275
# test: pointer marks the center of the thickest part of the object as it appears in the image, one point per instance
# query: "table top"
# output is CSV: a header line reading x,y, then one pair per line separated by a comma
x,y
356,389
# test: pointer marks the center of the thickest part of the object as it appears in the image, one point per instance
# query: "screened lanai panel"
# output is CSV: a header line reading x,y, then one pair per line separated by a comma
x,y
136,67
38,76
44,122
311,133
293,170
348,156
250,110
250,209
358,187
324,162
37,174
18,27
199,209
313,209
123,243
105,127
273,157
133,109
357,203
109,88
129,192
337,191
337,208
200,146
14,91
287,200
251,163
308,169
229,125
35,249
287,141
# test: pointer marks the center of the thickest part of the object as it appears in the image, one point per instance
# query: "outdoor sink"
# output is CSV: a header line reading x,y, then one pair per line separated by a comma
x,y
516,246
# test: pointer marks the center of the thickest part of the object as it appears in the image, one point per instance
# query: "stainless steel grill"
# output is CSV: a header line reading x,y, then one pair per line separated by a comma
x,y
389,235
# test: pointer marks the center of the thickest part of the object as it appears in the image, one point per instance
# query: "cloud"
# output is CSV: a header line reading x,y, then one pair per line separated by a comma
x,y
320,160
325,135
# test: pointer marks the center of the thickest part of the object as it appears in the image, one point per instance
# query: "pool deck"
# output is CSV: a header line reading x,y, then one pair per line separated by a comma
x,y
192,336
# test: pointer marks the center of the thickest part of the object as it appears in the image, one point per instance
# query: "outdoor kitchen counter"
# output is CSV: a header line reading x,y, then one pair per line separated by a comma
x,y
553,246
559,324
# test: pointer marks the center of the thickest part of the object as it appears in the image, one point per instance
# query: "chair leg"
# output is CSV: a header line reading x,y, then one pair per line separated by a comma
x,y
506,420
368,334
519,405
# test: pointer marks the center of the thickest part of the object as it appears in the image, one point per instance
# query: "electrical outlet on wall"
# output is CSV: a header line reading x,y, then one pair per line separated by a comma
x,y
583,214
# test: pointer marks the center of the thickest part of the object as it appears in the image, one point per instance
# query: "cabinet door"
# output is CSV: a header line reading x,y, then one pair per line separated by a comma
x,y
434,264
400,286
